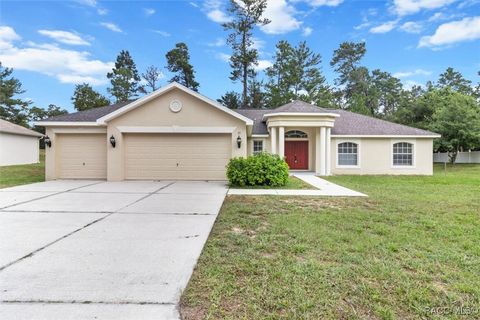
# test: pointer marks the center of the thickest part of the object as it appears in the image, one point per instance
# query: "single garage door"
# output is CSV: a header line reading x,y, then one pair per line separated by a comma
x,y
81,156
177,156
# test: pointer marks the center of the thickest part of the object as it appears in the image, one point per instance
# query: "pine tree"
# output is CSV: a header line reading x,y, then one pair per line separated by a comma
x,y
455,80
296,74
178,60
231,99
124,78
11,108
85,98
246,15
152,75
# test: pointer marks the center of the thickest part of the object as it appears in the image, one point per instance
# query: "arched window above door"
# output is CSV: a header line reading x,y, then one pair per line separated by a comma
x,y
295,134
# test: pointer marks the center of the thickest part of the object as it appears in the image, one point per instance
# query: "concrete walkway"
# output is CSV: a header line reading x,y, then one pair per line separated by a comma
x,y
324,188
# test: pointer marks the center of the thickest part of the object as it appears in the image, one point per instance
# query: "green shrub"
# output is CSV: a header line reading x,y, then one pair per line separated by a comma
x,y
262,169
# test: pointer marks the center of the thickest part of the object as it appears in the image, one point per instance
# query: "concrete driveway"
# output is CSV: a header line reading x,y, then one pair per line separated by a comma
x,y
101,250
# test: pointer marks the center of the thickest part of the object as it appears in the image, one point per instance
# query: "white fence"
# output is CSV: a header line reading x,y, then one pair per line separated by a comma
x,y
462,157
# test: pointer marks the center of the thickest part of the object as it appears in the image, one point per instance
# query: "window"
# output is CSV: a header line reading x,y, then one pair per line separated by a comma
x,y
257,146
347,154
295,134
402,154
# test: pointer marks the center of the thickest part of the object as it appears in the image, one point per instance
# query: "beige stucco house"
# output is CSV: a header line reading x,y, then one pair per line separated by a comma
x,y
18,145
176,133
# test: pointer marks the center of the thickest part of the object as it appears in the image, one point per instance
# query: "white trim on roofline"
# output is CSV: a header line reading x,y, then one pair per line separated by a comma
x,y
383,136
318,114
264,135
66,123
167,88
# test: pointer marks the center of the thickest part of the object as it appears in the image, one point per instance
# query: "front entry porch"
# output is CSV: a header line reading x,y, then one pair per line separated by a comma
x,y
303,140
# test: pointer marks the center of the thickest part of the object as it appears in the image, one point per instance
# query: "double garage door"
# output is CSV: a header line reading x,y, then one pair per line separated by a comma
x,y
176,156
146,156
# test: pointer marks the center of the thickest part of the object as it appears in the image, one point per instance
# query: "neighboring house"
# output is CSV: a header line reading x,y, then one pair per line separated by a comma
x,y
176,133
18,145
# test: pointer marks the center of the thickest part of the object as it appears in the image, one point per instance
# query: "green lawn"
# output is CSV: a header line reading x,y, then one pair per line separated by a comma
x,y
28,173
292,183
412,245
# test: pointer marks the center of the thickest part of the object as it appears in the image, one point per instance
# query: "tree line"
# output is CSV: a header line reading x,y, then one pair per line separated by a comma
x,y
449,106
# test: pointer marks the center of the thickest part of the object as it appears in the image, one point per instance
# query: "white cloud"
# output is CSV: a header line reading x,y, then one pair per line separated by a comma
x,y
406,7
307,31
213,8
111,26
7,34
90,3
281,14
68,66
409,84
193,4
449,33
416,72
149,11
162,33
320,3
64,37
218,16
262,65
412,27
219,42
223,56
102,11
362,25
384,27
258,44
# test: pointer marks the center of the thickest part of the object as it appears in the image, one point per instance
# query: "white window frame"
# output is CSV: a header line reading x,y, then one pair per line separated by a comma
x,y
413,142
253,145
359,149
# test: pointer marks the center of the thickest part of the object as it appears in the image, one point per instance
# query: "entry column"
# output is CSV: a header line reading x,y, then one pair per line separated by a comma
x,y
281,142
328,152
323,142
273,139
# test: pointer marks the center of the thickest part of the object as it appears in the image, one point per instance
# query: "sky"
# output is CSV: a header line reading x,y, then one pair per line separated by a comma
x,y
53,45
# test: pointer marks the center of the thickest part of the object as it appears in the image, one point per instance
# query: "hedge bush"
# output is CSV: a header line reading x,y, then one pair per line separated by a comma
x,y
262,169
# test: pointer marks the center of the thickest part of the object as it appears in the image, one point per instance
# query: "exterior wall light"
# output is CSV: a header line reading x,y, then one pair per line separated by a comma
x,y
112,141
239,141
47,141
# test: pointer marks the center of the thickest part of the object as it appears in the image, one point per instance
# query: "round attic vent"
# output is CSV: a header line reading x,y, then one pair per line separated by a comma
x,y
175,106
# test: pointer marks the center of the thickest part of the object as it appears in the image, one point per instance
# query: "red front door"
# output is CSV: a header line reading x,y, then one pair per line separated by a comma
x,y
296,154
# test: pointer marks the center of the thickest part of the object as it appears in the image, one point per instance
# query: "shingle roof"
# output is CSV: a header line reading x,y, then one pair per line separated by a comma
x,y
350,123
259,126
88,115
12,128
298,106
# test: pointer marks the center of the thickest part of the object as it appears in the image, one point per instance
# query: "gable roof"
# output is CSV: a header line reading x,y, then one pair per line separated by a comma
x,y
299,106
153,95
88,115
8,127
101,115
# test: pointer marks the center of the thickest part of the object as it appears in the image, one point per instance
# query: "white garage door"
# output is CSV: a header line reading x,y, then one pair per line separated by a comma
x,y
177,156
81,156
